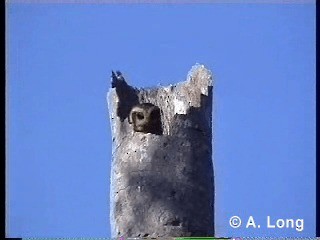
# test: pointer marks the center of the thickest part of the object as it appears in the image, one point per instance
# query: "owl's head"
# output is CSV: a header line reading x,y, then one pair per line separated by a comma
x,y
146,118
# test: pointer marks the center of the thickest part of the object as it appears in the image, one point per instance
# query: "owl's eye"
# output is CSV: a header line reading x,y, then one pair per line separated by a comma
x,y
140,116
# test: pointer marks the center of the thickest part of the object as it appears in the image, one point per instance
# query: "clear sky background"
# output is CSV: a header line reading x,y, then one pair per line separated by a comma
x,y
59,62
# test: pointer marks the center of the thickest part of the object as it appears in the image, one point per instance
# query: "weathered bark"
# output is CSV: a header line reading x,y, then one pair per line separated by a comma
x,y
162,184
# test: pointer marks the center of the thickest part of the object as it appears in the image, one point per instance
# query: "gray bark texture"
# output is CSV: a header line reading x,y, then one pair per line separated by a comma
x,y
162,183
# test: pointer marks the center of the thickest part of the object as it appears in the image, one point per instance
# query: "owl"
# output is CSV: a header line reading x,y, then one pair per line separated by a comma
x,y
146,118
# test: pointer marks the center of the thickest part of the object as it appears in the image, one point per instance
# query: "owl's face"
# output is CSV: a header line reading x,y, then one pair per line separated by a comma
x,y
146,118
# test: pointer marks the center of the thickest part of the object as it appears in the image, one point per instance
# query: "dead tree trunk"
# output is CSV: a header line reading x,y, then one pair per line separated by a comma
x,y
162,173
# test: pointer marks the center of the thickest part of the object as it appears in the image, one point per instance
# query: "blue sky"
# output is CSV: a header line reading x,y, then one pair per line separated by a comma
x,y
59,62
